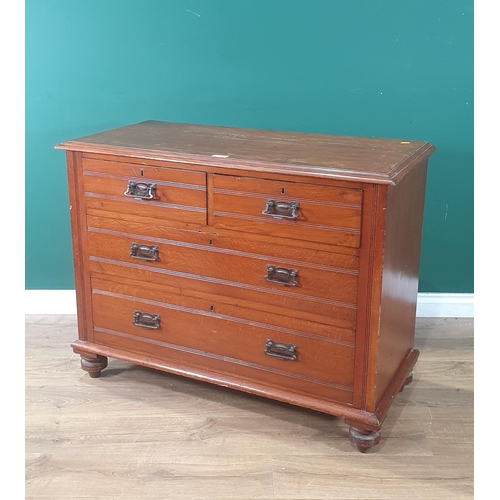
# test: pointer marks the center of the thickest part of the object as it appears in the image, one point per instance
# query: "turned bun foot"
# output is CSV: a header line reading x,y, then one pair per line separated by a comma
x,y
408,380
363,439
94,364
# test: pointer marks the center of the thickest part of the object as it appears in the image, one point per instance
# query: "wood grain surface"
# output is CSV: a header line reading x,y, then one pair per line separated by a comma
x,y
229,338
220,264
140,433
366,159
169,173
405,208
207,237
112,187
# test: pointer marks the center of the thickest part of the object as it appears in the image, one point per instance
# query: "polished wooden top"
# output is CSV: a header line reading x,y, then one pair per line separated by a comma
x,y
383,161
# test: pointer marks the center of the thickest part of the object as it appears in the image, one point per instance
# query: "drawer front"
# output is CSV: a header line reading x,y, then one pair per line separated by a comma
x,y
220,305
209,238
292,210
292,285
184,326
139,190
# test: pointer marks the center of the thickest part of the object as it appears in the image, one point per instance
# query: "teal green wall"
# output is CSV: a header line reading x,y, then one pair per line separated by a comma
x,y
387,68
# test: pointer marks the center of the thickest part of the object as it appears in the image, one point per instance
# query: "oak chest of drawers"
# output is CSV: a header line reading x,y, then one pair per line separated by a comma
x,y
280,264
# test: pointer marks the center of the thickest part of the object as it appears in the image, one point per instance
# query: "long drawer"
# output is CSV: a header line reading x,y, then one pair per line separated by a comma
x,y
298,286
174,326
128,189
325,214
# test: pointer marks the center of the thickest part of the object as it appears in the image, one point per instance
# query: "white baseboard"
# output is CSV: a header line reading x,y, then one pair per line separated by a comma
x,y
445,305
429,305
49,302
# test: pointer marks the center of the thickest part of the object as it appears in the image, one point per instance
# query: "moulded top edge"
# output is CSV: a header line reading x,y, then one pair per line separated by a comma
x,y
381,161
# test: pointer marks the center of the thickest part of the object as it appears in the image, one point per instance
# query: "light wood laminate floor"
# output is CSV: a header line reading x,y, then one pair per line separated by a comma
x,y
136,433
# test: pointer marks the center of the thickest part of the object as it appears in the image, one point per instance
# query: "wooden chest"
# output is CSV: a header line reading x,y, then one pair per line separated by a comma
x,y
280,264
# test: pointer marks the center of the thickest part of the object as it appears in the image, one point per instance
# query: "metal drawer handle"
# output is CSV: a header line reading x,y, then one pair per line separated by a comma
x,y
287,352
282,276
141,190
281,210
144,320
144,252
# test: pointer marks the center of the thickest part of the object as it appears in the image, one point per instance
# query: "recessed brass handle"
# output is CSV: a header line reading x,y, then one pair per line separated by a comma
x,y
144,320
286,352
141,190
281,210
144,252
281,276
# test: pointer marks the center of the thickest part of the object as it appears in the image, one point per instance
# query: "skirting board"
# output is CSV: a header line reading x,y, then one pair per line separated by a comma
x,y
429,305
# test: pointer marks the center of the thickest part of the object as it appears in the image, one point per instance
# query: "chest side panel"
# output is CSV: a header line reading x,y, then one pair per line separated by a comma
x,y
403,233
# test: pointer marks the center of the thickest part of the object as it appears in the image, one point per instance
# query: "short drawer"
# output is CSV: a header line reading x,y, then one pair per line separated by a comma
x,y
324,214
122,316
140,190
297,287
